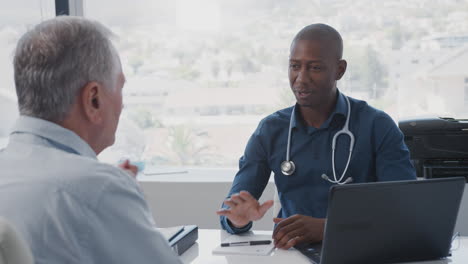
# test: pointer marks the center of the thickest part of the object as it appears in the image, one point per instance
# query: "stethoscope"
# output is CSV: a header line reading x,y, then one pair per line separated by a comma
x,y
288,167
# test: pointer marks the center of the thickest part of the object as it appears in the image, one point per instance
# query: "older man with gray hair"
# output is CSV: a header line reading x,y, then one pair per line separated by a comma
x,y
69,207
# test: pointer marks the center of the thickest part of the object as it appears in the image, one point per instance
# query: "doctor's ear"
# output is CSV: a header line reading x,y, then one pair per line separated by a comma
x,y
342,65
91,100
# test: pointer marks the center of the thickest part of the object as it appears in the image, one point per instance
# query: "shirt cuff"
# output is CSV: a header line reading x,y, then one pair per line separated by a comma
x,y
227,225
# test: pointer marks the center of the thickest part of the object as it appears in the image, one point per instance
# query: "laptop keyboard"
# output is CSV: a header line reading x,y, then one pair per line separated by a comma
x,y
311,251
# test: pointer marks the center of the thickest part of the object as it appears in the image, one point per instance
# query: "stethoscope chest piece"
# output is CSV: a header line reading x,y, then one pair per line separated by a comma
x,y
288,167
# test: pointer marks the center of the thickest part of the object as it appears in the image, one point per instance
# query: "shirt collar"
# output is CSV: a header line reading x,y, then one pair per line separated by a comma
x,y
55,133
341,108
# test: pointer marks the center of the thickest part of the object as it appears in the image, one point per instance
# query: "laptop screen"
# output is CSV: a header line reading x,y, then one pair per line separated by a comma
x,y
386,222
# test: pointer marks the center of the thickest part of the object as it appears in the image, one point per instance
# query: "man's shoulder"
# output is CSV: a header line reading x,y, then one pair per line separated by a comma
x,y
93,173
55,165
84,178
277,118
371,119
368,112
50,175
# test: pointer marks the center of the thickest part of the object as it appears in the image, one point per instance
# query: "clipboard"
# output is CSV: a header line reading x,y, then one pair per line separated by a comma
x,y
180,238
171,232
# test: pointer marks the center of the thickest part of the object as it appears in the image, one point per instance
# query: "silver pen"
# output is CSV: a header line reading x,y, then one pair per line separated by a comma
x,y
246,243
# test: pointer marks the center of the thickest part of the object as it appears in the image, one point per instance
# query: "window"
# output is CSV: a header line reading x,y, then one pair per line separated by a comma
x,y
466,94
202,74
15,17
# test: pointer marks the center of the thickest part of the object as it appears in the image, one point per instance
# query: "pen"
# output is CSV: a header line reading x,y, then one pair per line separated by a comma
x,y
246,243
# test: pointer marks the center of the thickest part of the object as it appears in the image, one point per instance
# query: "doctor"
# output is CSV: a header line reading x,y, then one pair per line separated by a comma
x,y
326,138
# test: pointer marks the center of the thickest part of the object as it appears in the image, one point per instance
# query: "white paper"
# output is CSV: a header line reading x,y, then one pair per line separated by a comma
x,y
258,250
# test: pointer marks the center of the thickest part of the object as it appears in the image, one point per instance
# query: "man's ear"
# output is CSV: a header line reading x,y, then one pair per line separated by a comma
x,y
342,64
91,99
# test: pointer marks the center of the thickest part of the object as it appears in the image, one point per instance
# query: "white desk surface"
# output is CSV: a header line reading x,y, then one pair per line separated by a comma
x,y
208,239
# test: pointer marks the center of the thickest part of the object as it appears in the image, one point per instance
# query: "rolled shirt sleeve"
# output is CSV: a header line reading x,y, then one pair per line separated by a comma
x,y
253,175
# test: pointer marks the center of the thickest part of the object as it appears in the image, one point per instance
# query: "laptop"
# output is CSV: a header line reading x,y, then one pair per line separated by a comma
x,y
389,222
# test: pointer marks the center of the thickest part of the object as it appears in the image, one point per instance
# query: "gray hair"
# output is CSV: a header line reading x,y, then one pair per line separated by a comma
x,y
57,58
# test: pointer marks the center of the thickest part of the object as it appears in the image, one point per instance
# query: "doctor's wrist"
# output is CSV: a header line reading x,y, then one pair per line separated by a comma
x,y
237,225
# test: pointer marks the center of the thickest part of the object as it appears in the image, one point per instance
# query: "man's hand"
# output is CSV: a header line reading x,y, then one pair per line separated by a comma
x,y
129,168
297,229
244,208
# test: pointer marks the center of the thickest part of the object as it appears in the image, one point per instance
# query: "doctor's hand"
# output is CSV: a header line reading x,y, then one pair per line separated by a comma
x,y
244,208
297,229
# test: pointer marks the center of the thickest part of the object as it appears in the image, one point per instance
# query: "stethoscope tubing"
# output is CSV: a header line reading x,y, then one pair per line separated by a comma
x,y
344,131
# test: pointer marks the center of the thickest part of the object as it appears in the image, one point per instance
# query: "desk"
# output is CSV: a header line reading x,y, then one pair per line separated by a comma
x,y
208,239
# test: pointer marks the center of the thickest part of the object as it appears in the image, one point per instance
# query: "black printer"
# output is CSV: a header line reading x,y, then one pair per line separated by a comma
x,y
438,146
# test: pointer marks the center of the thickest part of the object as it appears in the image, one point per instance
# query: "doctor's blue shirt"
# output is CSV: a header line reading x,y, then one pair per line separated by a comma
x,y
379,154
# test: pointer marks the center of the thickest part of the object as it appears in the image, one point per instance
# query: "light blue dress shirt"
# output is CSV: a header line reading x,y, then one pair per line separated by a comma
x,y
379,154
71,208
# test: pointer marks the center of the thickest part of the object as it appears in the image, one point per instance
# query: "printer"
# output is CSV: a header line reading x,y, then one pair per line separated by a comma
x,y
438,146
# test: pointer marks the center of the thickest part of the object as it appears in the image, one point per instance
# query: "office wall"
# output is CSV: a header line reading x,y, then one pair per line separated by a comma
x,y
179,203
182,203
